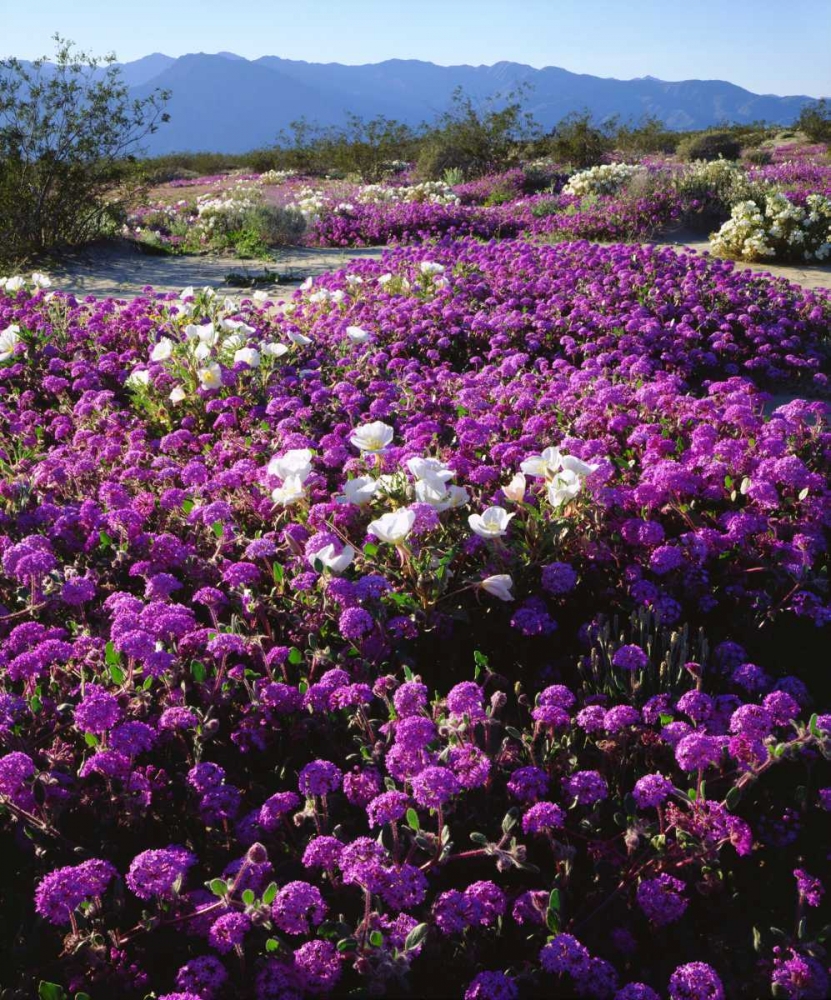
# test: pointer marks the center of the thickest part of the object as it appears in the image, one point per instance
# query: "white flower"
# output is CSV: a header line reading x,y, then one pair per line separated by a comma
x,y
357,335
542,466
289,492
563,487
578,466
207,334
187,293
274,350
491,523
210,377
499,586
393,527
431,471
191,332
332,559
296,464
385,278
372,437
307,284
237,325
162,350
515,490
9,339
353,279
137,379
260,296
429,267
41,280
201,352
177,394
15,283
298,339
249,355
441,498
359,491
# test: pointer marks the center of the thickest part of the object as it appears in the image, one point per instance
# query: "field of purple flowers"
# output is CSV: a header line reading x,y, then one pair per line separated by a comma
x,y
456,631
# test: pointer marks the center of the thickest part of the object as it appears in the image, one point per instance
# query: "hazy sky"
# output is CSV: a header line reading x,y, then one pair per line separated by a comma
x,y
768,46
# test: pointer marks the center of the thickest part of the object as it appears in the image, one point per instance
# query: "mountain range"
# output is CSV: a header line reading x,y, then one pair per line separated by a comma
x,y
226,103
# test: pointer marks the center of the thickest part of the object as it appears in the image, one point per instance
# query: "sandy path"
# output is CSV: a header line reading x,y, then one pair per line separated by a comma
x,y
120,270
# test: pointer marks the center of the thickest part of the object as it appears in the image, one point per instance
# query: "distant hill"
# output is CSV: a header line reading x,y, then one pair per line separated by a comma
x,y
226,103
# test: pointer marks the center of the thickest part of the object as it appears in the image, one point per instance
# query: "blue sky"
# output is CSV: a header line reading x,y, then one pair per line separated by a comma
x,y
768,46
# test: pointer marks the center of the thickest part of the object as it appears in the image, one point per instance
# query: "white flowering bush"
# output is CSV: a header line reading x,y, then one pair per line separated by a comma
x,y
608,178
776,229
276,176
432,192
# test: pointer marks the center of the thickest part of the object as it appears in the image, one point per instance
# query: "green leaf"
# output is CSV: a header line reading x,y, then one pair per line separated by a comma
x,y
218,886
295,656
371,550
106,541
111,655
187,506
510,821
813,728
50,991
117,673
272,945
218,529
376,939
416,937
515,733
554,900
91,739
412,820
270,894
279,574
248,897
733,797
198,671
347,944
479,838
82,996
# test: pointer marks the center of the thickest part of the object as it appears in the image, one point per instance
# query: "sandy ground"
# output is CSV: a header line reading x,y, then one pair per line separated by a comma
x,y
121,270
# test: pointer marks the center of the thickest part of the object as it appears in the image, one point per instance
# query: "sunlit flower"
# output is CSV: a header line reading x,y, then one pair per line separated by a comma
x,y
393,527
499,586
563,487
515,490
274,350
298,339
210,377
136,379
491,523
9,339
358,335
41,280
372,437
296,463
359,490
162,350
332,559
542,466
290,491
430,267
177,394
578,466
430,471
249,355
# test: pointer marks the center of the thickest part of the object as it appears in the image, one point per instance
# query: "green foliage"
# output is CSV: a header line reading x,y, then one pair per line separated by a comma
x,y
648,135
477,139
724,145
581,141
69,133
815,121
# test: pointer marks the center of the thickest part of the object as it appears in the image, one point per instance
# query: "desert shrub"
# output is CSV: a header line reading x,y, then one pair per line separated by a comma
x,y
710,146
815,121
759,157
774,228
476,139
68,136
648,135
580,141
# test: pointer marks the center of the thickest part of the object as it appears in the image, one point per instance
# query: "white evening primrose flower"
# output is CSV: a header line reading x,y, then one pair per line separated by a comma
x,y
544,465
499,586
323,295
201,352
249,355
41,280
9,339
332,559
431,471
441,497
430,267
177,394
137,379
338,296
563,487
210,377
515,490
296,463
162,350
237,325
491,523
234,342
359,490
229,305
307,284
353,280
208,334
578,466
298,339
15,283
373,437
260,296
289,492
274,350
187,293
394,527
191,332
385,279
208,292
358,335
